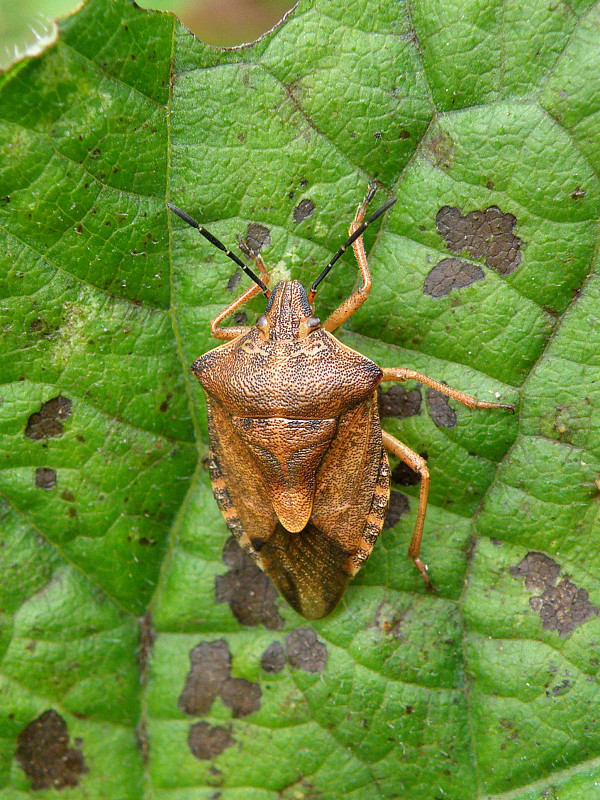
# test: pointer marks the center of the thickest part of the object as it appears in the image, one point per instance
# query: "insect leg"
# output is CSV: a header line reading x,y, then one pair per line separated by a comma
x,y
234,331
402,374
259,285
358,297
258,260
419,465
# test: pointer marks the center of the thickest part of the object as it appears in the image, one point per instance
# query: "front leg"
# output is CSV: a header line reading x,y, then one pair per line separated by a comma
x,y
402,374
357,298
418,464
234,331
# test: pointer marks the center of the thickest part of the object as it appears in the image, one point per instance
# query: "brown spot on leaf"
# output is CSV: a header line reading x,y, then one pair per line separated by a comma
x,y
398,402
210,668
165,404
439,409
397,507
257,237
273,659
44,754
47,422
305,651
240,318
234,280
206,742
538,569
249,592
210,676
451,273
484,235
405,476
45,478
439,149
560,688
562,608
304,209
241,696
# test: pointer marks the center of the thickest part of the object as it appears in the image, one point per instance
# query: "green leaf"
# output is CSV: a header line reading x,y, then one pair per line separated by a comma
x,y
141,655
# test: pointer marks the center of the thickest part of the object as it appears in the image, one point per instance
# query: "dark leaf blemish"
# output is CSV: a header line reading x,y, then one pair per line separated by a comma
x,y
44,754
273,659
305,651
405,476
206,742
142,741
210,676
165,403
304,209
257,237
249,592
451,273
398,402
562,608
210,668
561,688
240,318
45,478
443,415
234,280
241,696
484,235
48,421
538,569
397,507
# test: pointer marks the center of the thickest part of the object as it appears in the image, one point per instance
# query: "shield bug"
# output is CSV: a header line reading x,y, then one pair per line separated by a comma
x,y
298,458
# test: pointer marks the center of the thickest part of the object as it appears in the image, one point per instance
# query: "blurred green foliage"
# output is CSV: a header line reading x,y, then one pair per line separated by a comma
x,y
27,25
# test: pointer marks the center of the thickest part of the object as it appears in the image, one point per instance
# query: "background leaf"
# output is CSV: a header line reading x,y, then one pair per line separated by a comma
x,y
114,558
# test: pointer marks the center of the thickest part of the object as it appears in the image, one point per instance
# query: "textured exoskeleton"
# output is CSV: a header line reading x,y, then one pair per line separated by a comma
x,y
298,458
297,462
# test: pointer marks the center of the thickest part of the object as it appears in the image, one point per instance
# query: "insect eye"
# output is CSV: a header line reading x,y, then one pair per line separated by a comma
x,y
262,323
312,323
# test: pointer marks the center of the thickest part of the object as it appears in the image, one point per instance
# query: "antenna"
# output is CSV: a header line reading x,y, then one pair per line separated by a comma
x,y
213,240
357,234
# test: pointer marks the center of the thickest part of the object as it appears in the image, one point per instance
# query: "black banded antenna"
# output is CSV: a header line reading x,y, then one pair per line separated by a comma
x,y
357,233
213,240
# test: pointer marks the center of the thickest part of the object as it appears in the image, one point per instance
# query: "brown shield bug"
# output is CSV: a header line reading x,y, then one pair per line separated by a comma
x,y
298,458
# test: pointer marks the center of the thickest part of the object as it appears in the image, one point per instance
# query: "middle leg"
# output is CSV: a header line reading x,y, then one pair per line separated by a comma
x,y
401,374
